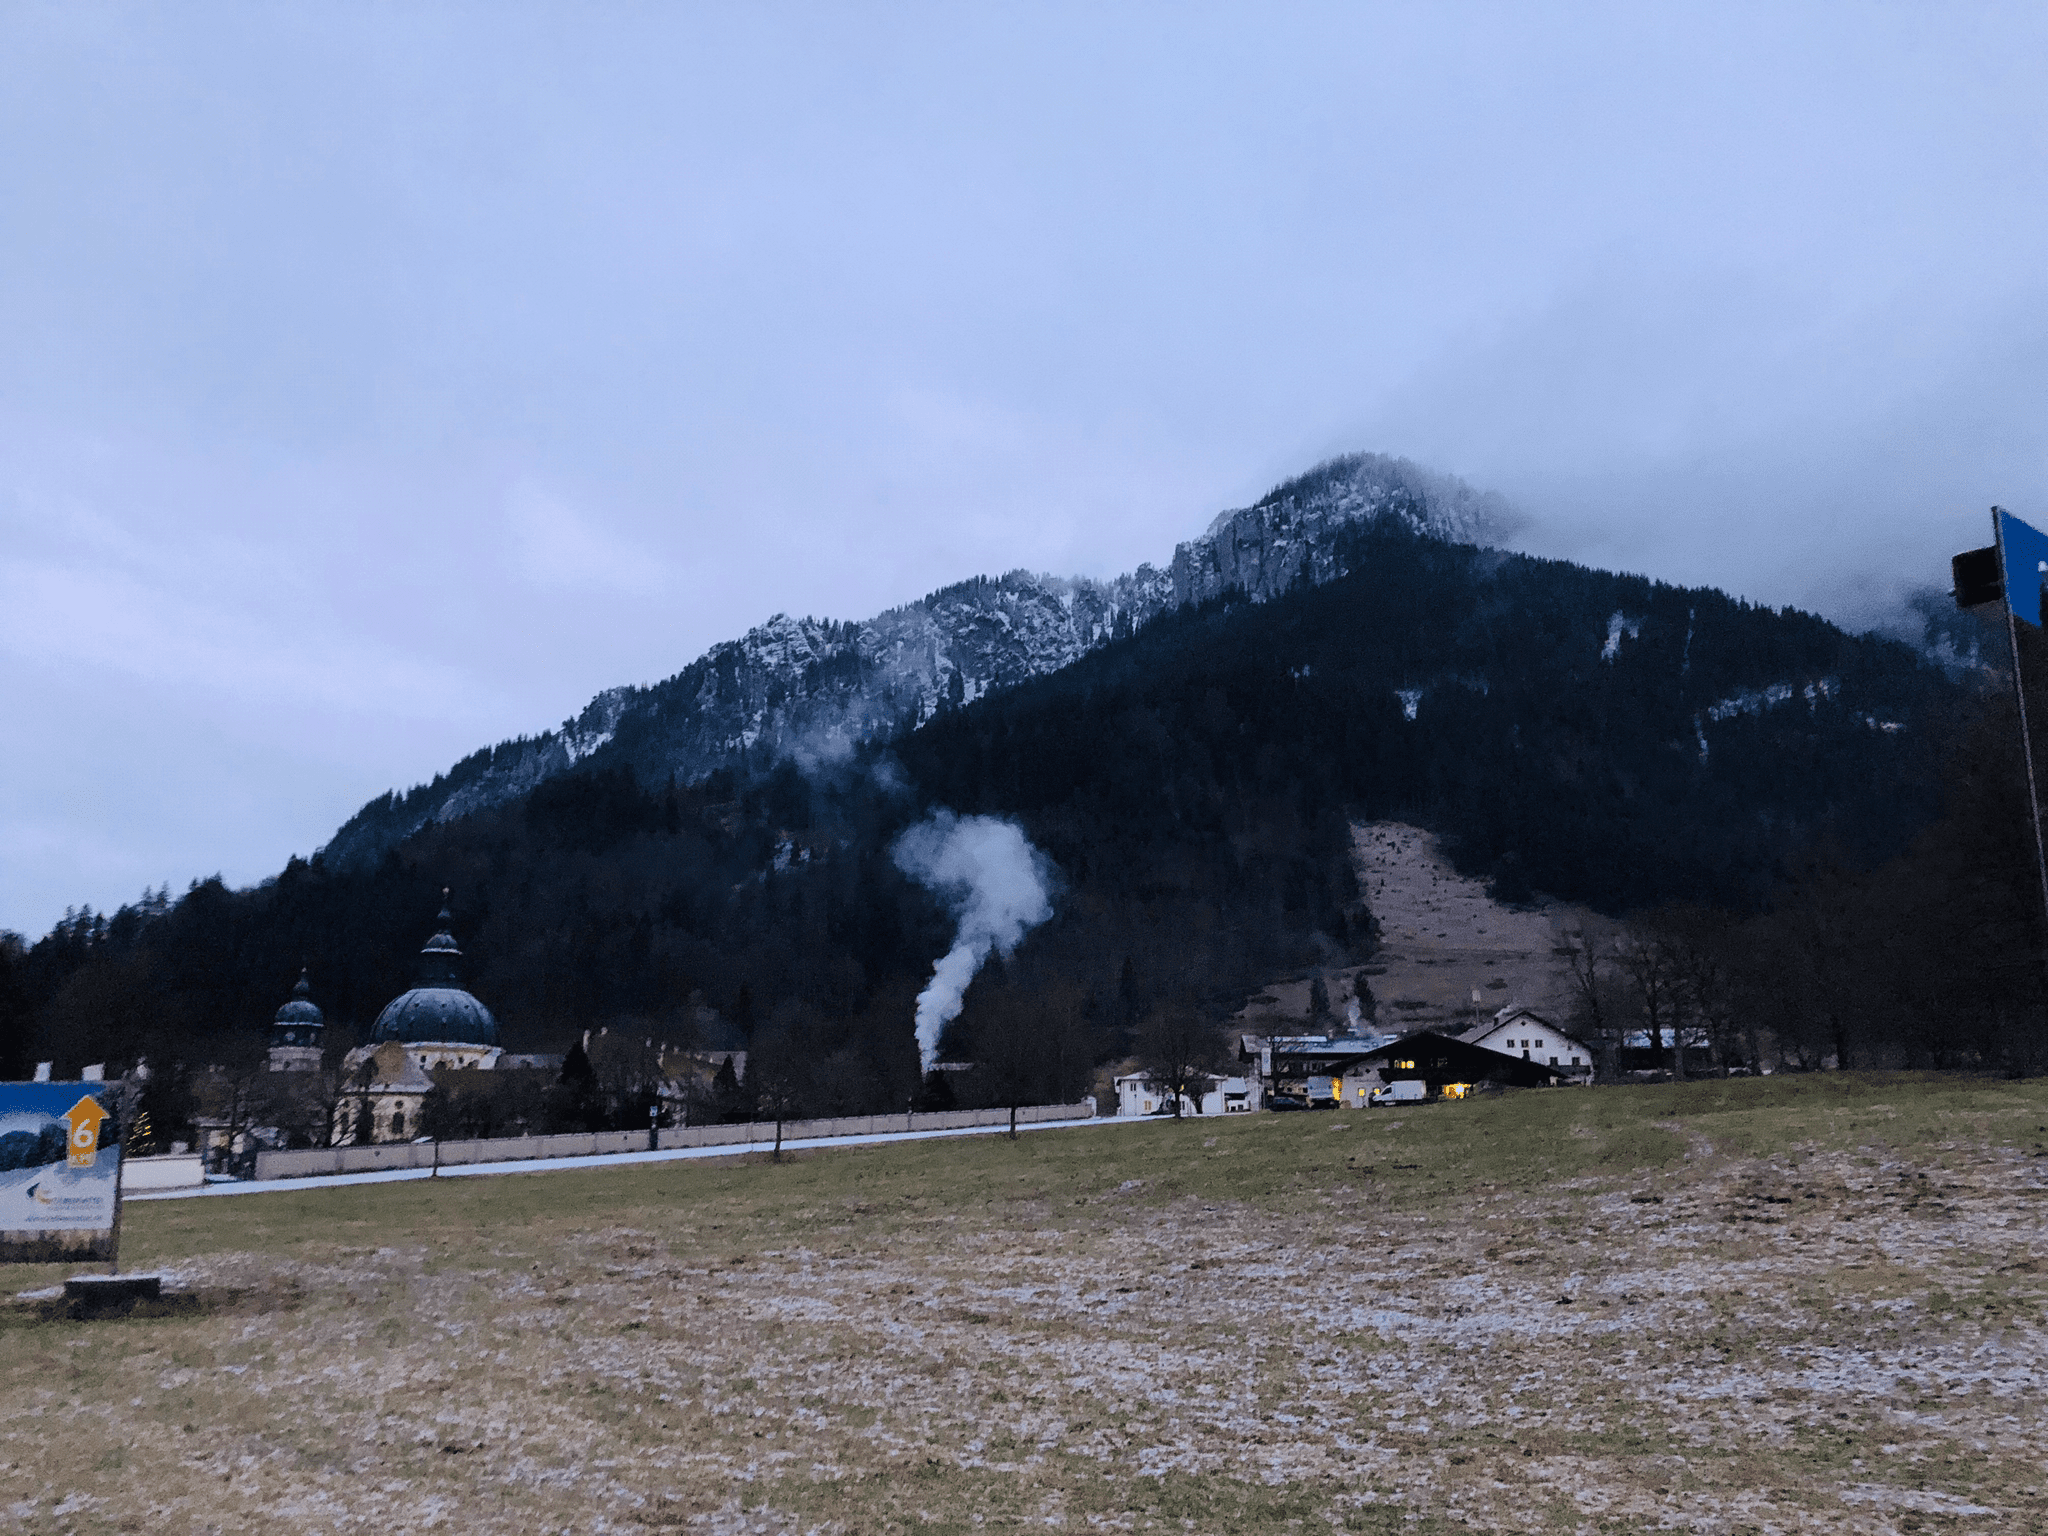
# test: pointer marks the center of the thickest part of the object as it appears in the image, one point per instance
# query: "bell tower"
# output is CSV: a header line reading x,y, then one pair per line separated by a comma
x,y
296,1032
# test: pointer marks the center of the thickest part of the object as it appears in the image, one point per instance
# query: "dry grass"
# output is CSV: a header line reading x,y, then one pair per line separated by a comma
x,y
1810,1304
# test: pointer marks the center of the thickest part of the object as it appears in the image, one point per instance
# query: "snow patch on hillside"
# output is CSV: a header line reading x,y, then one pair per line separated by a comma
x,y
1618,625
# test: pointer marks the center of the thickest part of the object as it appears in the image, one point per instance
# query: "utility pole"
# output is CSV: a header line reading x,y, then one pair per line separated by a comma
x,y
2019,692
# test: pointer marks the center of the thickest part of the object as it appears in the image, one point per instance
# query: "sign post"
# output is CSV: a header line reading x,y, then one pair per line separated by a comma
x,y
60,1177
2013,570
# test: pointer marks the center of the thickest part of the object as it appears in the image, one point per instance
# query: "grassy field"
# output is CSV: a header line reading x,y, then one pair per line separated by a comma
x,y
1785,1305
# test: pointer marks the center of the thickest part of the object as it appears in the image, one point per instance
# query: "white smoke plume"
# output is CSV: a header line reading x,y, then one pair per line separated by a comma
x,y
998,886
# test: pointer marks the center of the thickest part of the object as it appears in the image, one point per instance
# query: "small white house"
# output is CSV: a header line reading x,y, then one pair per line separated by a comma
x,y
1517,1031
1137,1094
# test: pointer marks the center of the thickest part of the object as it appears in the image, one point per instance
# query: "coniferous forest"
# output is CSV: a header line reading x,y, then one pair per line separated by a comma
x,y
1842,820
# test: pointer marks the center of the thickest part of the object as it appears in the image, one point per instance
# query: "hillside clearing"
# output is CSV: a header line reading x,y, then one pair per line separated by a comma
x,y
1789,1304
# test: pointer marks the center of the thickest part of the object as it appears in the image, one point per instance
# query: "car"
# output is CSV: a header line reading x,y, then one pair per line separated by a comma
x,y
1407,1091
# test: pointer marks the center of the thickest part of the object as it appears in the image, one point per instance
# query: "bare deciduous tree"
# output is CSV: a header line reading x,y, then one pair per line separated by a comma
x,y
1180,1050
1700,945
1651,968
779,1071
1595,1006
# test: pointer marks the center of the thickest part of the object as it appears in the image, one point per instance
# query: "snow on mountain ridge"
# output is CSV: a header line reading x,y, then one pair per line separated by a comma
x,y
815,688
1266,547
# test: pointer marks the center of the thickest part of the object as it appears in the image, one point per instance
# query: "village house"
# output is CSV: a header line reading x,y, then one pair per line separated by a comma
x,y
1312,1071
1445,1064
1523,1033
1138,1094
694,1082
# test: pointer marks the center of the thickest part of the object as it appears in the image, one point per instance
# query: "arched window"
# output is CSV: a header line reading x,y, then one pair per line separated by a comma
x,y
398,1122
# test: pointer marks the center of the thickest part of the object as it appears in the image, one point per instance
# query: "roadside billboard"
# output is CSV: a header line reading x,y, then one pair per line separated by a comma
x,y
60,1170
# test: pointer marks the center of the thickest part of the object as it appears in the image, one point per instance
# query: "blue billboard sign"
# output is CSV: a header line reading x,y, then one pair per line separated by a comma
x,y
60,1170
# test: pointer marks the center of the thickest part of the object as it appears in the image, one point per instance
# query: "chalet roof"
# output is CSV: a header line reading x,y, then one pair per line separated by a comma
x,y
1335,1047
1441,1058
1515,1016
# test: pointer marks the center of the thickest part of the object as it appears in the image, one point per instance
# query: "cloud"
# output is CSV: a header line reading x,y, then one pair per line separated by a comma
x,y
555,545
116,621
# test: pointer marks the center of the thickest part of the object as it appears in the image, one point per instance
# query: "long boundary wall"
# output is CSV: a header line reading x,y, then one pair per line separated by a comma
x,y
514,1149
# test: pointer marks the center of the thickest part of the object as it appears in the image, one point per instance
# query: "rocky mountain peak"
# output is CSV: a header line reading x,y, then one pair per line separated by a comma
x,y
815,688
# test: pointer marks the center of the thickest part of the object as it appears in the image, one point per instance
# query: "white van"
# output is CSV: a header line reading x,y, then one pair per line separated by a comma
x,y
1408,1091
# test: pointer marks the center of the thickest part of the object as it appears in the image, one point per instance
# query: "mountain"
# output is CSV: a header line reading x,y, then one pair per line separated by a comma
x,y
1567,732
815,689
1581,733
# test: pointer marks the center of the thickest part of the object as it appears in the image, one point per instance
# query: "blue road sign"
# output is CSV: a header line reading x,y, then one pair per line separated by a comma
x,y
2025,549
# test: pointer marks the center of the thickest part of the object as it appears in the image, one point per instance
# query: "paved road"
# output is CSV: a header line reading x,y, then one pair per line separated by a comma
x,y
602,1160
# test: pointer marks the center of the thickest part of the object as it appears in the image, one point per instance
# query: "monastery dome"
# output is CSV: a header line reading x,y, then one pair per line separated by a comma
x,y
436,1014
301,1010
438,1010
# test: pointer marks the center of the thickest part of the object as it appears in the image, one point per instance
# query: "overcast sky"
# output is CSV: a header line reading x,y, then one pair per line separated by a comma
x,y
377,382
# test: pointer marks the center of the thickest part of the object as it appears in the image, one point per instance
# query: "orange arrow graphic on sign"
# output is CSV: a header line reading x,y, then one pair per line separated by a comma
x,y
85,1117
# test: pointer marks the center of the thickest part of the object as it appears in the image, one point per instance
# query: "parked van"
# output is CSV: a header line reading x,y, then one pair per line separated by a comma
x,y
1408,1091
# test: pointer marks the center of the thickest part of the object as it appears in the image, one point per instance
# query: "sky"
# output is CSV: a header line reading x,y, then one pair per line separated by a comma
x,y
378,382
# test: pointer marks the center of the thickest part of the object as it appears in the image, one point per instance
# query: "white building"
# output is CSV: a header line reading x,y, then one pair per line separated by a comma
x,y
1137,1094
1517,1031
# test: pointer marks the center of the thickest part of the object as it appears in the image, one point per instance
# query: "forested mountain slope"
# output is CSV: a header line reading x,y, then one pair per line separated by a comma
x,y
1600,737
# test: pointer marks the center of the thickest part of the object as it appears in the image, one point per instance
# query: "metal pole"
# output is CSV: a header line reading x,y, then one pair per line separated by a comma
x,y
2019,693
120,1166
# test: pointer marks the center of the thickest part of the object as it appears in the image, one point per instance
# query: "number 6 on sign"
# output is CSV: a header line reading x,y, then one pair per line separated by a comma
x,y
85,1117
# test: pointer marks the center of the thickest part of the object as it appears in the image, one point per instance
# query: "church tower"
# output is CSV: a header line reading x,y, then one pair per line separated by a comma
x,y
296,1031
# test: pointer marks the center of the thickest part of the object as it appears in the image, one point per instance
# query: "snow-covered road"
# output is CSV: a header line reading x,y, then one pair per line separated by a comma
x,y
602,1160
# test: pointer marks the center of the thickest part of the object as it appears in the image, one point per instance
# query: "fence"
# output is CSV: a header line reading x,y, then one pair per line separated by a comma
x,y
169,1170
519,1149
